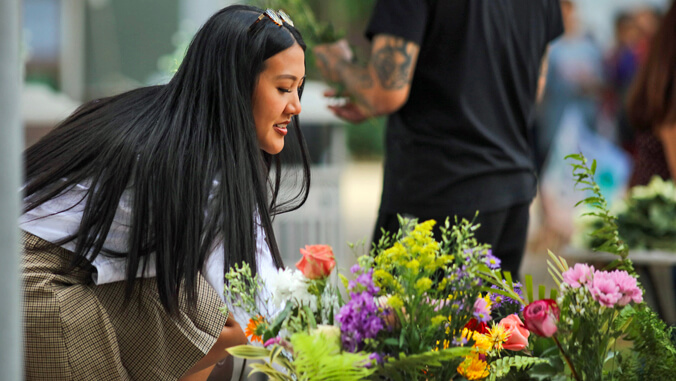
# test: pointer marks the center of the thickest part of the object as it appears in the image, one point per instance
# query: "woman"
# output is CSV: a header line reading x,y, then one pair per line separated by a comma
x,y
131,200
651,106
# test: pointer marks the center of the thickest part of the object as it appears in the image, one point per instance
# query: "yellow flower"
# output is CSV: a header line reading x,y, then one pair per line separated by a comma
x,y
413,265
487,298
482,343
395,302
473,368
442,285
423,284
445,344
438,320
498,335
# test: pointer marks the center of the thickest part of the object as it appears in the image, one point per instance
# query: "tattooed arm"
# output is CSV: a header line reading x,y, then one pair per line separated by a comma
x,y
382,86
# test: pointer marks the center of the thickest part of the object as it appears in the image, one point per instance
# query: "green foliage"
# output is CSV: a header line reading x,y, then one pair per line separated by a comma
x,y
242,288
316,357
653,355
607,235
365,140
502,366
319,358
412,367
314,31
648,219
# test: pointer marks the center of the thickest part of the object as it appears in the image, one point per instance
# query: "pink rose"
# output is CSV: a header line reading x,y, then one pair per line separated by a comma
x,y
540,317
317,261
518,338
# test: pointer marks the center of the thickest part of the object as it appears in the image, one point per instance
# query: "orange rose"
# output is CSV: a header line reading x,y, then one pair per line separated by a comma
x,y
317,261
518,338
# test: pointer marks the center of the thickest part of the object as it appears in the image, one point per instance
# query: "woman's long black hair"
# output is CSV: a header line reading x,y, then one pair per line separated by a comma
x,y
189,154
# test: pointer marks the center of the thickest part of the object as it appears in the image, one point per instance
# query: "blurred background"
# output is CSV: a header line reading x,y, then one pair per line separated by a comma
x,y
79,50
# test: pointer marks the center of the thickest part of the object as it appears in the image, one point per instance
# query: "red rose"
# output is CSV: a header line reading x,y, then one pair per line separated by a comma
x,y
518,338
540,317
317,261
475,325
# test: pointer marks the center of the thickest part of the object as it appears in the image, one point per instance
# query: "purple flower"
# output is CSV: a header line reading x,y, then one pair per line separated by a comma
x,y
459,341
355,269
359,319
482,312
498,300
377,358
491,260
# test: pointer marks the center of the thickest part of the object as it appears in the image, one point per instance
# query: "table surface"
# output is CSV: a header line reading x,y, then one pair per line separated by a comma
x,y
643,257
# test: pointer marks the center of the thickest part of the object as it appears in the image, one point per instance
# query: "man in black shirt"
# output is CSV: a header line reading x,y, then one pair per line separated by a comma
x,y
459,80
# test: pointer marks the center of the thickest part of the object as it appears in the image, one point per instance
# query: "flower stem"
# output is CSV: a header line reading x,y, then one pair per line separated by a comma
x,y
565,356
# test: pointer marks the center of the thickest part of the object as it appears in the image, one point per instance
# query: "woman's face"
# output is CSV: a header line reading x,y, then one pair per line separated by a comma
x,y
276,98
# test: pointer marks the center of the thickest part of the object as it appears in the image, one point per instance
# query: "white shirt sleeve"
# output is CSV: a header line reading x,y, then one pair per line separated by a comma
x,y
214,270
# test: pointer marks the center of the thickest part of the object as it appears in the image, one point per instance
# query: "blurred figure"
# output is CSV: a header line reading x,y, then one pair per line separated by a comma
x,y
647,21
651,106
574,79
620,66
458,80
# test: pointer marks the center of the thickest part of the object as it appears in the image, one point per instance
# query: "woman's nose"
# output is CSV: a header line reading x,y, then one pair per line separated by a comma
x,y
294,106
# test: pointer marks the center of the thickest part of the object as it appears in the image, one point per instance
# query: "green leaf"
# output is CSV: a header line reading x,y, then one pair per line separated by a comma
x,y
393,368
508,277
502,366
312,323
249,352
553,294
391,341
279,320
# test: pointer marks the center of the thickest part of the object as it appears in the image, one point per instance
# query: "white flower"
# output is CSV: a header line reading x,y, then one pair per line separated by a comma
x,y
330,305
290,285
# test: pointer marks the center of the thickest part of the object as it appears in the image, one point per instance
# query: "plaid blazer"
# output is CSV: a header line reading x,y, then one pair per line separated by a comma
x,y
75,330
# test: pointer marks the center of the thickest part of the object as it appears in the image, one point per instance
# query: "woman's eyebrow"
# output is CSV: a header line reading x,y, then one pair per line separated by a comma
x,y
288,76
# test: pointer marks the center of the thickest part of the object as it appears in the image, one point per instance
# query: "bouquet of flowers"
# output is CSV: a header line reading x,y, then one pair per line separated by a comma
x,y
404,315
578,328
420,309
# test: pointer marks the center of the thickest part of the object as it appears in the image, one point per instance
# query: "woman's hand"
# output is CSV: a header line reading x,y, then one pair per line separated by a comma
x,y
231,335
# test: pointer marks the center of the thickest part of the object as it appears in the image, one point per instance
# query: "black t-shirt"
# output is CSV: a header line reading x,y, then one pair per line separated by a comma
x,y
461,141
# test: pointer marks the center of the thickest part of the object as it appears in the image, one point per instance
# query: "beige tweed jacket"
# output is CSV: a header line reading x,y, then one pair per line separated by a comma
x,y
75,330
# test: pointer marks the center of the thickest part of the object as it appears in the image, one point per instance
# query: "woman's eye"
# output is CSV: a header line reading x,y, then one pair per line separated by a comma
x,y
283,90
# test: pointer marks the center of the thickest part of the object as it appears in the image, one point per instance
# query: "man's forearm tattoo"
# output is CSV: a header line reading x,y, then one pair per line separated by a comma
x,y
393,64
360,77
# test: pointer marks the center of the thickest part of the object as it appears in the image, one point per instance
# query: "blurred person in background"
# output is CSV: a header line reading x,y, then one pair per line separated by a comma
x,y
651,106
574,79
459,81
137,205
647,21
621,64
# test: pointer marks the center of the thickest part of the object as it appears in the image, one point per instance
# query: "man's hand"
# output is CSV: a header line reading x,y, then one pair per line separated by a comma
x,y
329,56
